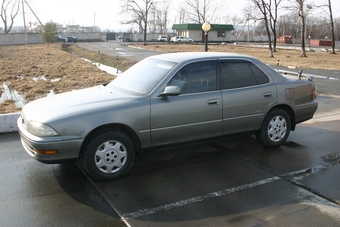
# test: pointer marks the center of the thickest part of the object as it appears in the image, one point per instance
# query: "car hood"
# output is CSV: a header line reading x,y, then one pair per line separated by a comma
x,y
74,102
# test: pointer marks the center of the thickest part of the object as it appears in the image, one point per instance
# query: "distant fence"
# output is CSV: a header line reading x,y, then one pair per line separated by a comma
x,y
34,38
20,38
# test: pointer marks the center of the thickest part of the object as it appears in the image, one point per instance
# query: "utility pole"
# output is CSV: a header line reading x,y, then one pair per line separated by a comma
x,y
94,23
23,13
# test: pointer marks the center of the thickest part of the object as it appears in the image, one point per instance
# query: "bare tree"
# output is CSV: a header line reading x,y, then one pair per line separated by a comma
x,y
200,11
273,6
288,25
139,11
236,21
337,28
9,10
330,21
182,15
263,8
160,16
332,26
302,26
270,8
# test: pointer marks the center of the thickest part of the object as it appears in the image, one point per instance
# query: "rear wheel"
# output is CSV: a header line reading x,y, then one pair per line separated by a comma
x,y
275,128
109,155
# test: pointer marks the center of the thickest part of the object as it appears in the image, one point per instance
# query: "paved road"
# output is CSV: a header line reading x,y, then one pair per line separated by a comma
x,y
115,48
234,182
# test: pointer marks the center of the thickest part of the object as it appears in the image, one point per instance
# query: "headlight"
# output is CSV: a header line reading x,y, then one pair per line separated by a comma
x,y
40,129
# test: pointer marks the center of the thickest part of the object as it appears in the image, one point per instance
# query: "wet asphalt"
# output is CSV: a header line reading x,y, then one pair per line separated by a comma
x,y
231,182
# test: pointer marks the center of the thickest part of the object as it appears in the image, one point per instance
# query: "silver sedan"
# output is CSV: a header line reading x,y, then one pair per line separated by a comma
x,y
181,39
165,100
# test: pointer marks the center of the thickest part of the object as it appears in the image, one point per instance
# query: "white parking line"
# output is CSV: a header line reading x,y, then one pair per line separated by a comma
x,y
184,202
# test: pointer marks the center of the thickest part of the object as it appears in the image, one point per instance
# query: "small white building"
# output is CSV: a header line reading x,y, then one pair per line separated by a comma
x,y
218,32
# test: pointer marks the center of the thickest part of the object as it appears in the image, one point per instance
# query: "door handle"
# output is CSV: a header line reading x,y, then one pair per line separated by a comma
x,y
213,102
267,95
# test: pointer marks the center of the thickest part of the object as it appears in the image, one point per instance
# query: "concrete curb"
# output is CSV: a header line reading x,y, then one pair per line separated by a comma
x,y
8,122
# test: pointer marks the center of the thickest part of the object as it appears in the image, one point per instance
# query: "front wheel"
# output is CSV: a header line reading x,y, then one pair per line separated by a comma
x,y
275,128
109,155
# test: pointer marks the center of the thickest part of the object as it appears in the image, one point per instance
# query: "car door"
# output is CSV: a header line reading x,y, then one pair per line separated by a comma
x,y
194,114
247,95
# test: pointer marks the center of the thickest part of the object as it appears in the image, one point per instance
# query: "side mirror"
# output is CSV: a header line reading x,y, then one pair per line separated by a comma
x,y
171,91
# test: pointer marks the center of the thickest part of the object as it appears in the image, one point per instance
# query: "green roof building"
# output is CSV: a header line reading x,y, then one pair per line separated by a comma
x,y
218,32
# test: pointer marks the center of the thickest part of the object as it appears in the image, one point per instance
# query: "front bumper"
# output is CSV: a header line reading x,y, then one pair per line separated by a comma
x,y
67,149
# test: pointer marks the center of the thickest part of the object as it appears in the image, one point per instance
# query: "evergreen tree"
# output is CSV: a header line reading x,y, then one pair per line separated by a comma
x,y
50,30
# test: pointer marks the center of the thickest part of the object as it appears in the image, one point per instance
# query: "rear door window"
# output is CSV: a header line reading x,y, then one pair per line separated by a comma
x,y
239,74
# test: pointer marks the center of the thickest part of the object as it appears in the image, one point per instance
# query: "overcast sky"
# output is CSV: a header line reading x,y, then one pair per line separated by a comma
x,y
105,13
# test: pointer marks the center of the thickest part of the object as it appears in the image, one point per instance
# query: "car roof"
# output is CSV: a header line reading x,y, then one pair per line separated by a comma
x,y
185,56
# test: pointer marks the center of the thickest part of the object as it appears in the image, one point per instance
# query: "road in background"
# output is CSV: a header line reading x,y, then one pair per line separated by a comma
x,y
120,49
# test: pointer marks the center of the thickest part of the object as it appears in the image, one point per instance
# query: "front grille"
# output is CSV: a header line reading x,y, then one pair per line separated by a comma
x,y
27,148
24,122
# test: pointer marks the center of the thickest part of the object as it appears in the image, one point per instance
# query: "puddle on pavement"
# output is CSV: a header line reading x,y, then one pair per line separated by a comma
x,y
329,160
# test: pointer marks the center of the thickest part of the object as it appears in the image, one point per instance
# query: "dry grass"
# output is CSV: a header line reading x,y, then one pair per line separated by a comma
x,y
21,65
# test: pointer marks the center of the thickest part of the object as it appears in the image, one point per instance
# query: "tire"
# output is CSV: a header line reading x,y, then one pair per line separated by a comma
x,y
275,128
109,155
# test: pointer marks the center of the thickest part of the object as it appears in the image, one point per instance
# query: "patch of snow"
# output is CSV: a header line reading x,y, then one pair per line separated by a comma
x,y
85,59
109,69
106,68
40,78
55,80
9,94
51,93
45,79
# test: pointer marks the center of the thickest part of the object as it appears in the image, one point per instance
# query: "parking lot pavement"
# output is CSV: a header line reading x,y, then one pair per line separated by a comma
x,y
35,194
234,182
231,182
237,182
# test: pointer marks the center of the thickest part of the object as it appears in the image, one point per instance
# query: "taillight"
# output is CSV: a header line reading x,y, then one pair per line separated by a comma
x,y
314,93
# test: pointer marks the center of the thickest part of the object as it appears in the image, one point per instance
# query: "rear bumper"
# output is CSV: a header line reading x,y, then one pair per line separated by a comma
x,y
305,112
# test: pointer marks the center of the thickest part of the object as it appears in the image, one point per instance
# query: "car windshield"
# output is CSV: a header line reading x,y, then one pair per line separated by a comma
x,y
142,77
